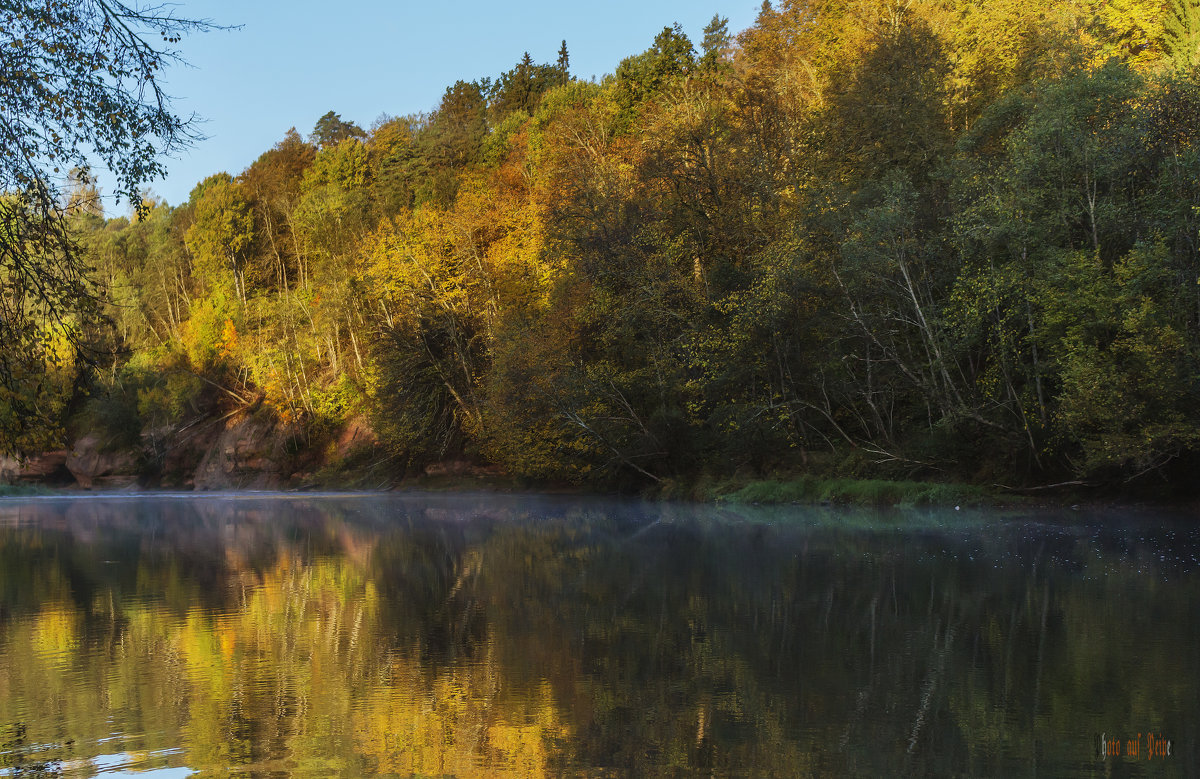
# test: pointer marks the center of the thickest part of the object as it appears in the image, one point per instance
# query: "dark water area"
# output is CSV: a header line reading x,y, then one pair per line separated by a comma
x,y
488,635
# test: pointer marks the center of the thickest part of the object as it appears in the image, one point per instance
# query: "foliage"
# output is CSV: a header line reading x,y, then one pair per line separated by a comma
x,y
222,229
929,240
1181,34
330,130
80,83
521,88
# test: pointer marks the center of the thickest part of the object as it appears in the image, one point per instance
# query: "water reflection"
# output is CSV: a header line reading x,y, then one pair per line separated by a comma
x,y
504,636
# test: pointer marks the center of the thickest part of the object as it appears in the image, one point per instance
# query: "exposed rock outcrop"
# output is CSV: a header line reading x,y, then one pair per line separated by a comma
x,y
249,453
93,466
246,450
45,468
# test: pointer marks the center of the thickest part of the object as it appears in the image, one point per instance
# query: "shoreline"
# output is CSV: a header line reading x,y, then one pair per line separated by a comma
x,y
804,490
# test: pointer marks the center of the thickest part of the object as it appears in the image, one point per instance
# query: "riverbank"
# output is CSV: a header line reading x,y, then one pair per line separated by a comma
x,y
254,451
865,492
367,473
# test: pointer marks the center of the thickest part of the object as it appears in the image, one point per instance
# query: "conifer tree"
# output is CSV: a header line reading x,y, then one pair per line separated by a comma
x,y
564,63
716,42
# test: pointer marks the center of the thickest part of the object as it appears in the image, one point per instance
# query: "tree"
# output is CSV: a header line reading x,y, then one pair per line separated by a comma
x,y
1181,33
641,77
432,347
521,88
83,197
564,63
893,96
222,230
80,83
453,140
396,163
716,43
330,130
273,183
1131,28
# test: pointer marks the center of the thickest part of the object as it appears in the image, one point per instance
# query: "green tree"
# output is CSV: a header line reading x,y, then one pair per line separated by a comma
x,y
521,88
1124,356
81,83
453,141
332,219
273,186
330,130
563,64
1077,292
398,166
222,231
641,77
717,42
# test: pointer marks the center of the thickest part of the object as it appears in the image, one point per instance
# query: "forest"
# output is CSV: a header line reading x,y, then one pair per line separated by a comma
x,y
934,239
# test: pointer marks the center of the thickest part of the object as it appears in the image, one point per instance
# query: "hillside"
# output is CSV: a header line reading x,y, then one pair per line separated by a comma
x,y
932,240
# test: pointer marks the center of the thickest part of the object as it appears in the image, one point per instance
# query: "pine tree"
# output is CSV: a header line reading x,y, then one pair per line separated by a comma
x,y
521,88
330,130
564,63
716,42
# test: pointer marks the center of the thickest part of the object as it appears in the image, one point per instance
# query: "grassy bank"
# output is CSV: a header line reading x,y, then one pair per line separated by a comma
x,y
747,490
858,492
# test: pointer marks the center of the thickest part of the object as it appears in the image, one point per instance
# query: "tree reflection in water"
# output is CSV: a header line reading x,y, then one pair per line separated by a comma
x,y
491,635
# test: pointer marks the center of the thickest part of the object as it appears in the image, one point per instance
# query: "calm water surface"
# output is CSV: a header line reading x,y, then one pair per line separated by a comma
x,y
434,635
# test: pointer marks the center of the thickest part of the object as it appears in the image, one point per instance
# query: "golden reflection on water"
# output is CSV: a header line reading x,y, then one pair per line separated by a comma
x,y
335,637
298,658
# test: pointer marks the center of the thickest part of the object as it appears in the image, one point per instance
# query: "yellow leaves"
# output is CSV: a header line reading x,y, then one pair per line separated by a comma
x,y
345,166
508,227
1131,29
478,260
525,275
391,137
59,349
229,339
412,261
209,334
991,45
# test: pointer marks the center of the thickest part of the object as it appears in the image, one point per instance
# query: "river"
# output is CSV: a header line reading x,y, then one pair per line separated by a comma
x,y
494,635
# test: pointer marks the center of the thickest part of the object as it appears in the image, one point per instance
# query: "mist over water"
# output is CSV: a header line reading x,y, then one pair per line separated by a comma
x,y
478,634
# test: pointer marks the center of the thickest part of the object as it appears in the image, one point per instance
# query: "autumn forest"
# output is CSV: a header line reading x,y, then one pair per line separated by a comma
x,y
936,239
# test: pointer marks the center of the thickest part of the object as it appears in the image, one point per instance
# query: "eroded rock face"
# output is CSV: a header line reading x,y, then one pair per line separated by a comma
x,y
245,451
44,468
248,454
355,436
93,467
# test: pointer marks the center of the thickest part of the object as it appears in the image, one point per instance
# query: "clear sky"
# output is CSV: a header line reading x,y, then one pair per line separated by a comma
x,y
291,62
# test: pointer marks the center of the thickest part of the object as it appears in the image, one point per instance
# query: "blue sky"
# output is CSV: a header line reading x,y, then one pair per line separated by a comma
x,y
291,62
